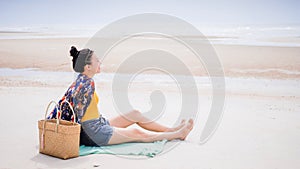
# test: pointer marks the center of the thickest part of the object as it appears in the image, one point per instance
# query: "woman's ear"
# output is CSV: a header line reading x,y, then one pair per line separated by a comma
x,y
87,67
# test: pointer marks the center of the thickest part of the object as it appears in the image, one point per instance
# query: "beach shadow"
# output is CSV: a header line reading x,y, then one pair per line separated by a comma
x,y
42,161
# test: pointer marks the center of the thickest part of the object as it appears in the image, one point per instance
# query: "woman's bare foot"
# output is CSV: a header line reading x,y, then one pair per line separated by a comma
x,y
184,131
182,123
191,121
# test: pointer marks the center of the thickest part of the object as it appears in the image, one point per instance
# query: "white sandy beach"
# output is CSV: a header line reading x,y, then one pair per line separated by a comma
x,y
259,129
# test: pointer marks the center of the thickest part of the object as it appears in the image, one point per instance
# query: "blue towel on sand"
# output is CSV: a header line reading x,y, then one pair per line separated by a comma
x,y
145,149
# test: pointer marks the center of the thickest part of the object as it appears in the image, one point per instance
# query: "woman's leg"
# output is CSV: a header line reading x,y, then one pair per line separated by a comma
x,y
137,117
123,135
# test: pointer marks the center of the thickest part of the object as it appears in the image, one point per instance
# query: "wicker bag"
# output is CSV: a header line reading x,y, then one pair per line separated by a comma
x,y
59,138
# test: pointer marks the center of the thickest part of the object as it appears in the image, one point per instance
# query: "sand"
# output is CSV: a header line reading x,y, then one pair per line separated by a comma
x,y
255,132
259,128
237,60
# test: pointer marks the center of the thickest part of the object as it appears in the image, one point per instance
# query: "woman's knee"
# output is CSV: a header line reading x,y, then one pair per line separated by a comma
x,y
135,115
140,135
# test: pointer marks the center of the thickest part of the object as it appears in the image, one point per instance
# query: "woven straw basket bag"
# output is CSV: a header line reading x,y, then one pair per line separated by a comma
x,y
57,137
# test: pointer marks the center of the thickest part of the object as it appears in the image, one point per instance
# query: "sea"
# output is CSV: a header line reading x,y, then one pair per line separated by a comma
x,y
255,35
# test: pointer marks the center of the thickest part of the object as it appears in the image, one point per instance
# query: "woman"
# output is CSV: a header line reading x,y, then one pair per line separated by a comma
x,y
98,131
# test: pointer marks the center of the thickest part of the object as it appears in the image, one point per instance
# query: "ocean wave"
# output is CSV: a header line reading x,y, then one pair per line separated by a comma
x,y
283,71
257,35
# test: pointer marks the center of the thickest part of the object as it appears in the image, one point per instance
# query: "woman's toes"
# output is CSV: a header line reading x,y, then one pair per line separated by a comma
x,y
182,123
191,124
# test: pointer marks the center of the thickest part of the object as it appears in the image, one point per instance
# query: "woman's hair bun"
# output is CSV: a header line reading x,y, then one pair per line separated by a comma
x,y
74,52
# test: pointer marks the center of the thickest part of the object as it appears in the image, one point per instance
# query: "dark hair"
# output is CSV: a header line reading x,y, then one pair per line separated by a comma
x,y
80,58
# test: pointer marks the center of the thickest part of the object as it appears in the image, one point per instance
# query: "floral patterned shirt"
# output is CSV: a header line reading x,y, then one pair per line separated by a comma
x,y
79,95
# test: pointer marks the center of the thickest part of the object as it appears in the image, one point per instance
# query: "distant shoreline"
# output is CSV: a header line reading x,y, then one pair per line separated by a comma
x,y
51,54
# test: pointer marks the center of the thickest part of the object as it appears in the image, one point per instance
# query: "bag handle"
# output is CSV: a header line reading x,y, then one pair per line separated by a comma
x,y
71,107
57,112
44,123
51,102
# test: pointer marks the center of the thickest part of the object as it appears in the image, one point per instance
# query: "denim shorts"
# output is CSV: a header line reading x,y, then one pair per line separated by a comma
x,y
95,132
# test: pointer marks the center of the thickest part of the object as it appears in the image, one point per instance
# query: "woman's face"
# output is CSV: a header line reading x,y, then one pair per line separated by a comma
x,y
94,67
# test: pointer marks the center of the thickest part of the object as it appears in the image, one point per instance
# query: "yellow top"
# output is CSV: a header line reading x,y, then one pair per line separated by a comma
x,y
92,111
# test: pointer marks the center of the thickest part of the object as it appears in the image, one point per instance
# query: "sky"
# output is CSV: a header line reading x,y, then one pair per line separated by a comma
x,y
89,12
